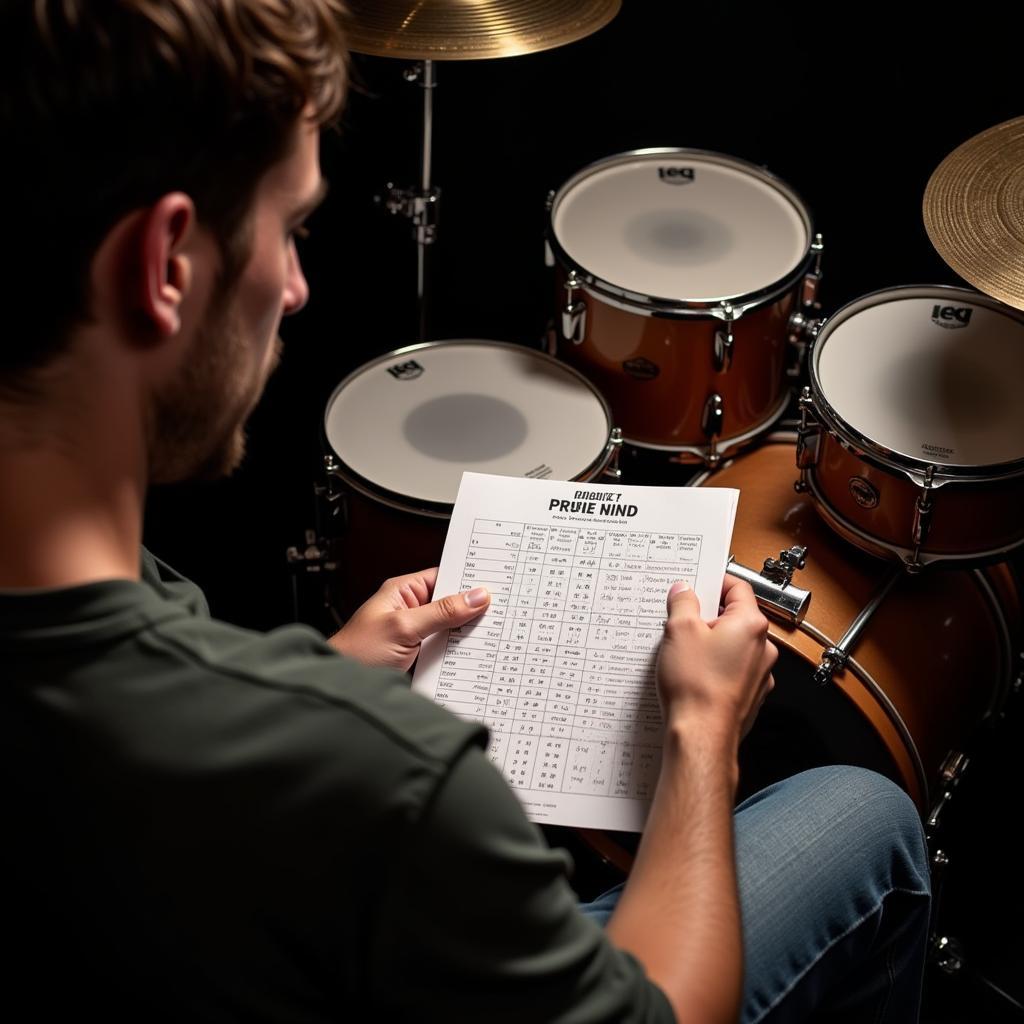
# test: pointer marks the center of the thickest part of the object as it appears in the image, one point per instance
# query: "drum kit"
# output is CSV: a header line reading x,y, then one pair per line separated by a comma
x,y
685,331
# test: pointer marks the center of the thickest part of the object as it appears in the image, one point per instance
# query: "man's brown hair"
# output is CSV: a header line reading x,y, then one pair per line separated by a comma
x,y
106,105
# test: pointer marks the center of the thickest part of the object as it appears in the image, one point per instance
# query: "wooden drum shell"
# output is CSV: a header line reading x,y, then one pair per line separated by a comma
x,y
661,403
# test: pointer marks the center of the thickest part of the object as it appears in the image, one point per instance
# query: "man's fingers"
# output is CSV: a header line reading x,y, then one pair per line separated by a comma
x,y
446,612
739,605
413,589
429,576
737,592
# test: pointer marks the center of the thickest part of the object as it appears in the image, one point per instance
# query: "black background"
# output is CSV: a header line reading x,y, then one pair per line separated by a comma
x,y
854,114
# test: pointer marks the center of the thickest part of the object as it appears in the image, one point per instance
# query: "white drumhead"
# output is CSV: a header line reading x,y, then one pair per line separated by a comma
x,y
684,227
412,421
930,375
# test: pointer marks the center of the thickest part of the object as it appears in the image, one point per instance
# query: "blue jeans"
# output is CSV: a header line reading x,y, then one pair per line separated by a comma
x,y
834,891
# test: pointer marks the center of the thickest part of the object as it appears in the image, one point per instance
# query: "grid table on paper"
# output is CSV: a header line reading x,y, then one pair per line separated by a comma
x,y
561,666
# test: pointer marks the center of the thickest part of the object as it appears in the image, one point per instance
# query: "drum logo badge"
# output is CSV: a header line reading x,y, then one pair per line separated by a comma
x,y
951,317
642,369
863,492
676,175
409,370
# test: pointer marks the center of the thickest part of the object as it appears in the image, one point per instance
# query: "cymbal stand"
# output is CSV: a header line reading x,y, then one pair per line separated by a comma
x,y
421,205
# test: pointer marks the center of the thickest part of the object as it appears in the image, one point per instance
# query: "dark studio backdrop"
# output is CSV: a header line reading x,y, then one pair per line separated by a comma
x,y
854,114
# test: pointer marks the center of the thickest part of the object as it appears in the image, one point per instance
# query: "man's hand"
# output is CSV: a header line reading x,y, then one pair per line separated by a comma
x,y
387,629
717,672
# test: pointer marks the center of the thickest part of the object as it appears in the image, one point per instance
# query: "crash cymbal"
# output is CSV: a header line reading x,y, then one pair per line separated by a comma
x,y
974,211
471,29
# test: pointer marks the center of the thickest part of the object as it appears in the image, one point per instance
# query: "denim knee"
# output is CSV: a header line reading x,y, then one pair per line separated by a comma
x,y
866,800
864,818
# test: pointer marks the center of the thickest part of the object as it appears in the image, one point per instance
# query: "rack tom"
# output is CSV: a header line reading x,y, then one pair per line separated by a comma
x,y
912,437
682,276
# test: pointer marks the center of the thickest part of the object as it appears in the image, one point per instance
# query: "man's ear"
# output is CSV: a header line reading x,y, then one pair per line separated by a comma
x,y
165,267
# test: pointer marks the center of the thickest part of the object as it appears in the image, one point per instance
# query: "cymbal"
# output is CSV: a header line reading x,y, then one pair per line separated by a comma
x,y
471,29
974,211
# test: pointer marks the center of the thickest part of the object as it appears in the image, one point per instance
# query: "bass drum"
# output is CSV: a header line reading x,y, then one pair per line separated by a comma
x,y
932,661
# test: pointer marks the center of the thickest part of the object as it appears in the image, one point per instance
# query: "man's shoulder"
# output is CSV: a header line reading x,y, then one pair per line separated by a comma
x,y
141,671
291,666
292,677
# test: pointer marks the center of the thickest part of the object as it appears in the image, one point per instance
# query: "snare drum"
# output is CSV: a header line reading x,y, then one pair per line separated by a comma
x,y
402,429
681,278
912,665
912,438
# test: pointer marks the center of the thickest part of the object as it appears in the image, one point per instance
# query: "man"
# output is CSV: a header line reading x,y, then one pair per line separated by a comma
x,y
204,823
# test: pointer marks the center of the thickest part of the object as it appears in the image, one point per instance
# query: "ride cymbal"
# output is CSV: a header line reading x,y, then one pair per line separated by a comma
x,y
974,211
471,29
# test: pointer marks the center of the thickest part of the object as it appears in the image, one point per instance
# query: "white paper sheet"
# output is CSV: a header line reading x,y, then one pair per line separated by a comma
x,y
561,666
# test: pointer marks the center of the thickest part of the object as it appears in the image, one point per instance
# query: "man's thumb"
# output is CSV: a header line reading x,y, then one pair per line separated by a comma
x,y
682,600
448,612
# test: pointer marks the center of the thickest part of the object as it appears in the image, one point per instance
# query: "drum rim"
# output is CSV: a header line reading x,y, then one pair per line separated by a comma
x,y
853,440
655,305
337,466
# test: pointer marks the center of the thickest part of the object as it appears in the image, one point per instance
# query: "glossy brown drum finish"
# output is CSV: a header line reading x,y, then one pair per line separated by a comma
x,y
912,432
967,515
678,273
936,646
657,372
377,541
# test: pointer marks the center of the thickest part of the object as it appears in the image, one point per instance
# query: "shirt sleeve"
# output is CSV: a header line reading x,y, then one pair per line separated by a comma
x,y
480,922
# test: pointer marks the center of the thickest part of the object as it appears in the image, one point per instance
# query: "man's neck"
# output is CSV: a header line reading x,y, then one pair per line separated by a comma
x,y
57,530
72,487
